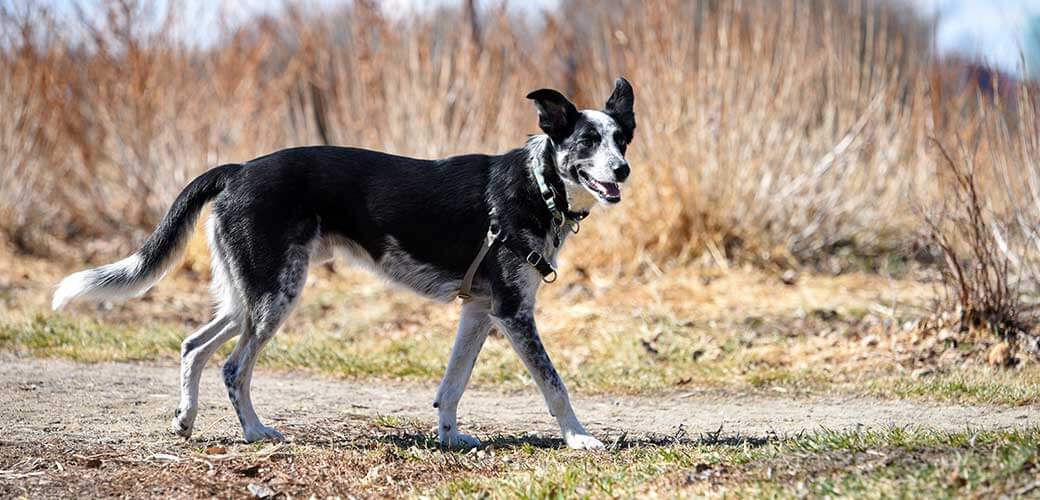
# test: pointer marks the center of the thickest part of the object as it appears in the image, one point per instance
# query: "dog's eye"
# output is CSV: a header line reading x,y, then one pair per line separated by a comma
x,y
588,140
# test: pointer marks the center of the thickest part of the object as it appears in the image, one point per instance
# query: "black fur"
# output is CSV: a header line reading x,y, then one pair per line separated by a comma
x,y
435,211
556,114
619,107
172,230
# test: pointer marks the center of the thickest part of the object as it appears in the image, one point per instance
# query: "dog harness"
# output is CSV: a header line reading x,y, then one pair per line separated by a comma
x,y
560,219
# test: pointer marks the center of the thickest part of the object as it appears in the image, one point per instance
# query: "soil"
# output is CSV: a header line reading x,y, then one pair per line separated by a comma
x,y
120,401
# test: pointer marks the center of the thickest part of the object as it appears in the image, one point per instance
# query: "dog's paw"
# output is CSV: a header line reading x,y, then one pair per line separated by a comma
x,y
583,442
459,441
182,423
262,433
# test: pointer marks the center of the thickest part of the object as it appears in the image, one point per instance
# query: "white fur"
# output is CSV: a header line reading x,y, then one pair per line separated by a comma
x,y
578,196
473,330
195,352
90,284
229,304
395,266
608,153
84,284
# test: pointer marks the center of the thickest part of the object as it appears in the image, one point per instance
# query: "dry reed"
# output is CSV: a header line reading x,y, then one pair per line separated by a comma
x,y
778,132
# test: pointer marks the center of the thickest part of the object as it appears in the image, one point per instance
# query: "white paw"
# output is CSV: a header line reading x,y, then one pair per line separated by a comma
x,y
583,442
182,423
262,433
456,440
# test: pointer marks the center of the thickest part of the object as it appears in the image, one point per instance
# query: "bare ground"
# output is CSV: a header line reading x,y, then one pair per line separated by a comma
x,y
116,401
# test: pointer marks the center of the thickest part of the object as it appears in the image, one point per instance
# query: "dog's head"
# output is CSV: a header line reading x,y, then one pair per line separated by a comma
x,y
590,145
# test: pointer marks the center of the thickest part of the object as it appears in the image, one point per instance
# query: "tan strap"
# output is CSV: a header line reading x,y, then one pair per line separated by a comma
x,y
467,280
489,239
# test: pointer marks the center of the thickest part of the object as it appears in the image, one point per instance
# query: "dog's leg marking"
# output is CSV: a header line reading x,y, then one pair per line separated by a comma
x,y
200,346
522,333
266,317
195,352
473,330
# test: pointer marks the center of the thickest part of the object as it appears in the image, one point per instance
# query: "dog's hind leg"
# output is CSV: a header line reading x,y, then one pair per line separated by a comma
x,y
267,311
200,346
195,351
473,330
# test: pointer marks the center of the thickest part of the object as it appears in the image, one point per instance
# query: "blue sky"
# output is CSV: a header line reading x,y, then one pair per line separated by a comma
x,y
996,32
201,19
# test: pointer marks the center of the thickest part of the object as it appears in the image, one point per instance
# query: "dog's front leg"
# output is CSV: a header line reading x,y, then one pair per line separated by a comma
x,y
473,330
520,328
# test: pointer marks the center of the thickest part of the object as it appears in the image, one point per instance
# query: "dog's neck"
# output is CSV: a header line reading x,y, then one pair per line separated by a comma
x,y
544,157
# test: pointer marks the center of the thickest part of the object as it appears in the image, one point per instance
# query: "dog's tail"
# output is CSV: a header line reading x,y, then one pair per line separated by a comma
x,y
134,275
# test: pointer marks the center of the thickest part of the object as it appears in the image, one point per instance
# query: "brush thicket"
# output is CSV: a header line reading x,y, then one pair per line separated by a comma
x,y
776,132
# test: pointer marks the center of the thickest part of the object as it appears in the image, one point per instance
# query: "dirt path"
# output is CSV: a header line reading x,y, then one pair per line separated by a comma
x,y
122,402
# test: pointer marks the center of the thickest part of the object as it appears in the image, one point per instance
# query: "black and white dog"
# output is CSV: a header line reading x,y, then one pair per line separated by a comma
x,y
486,228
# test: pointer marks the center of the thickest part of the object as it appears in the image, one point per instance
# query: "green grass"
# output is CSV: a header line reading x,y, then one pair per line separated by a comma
x,y
898,463
871,464
978,385
89,341
605,358
564,474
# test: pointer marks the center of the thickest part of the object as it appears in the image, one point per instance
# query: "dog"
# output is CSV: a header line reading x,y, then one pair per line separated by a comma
x,y
481,227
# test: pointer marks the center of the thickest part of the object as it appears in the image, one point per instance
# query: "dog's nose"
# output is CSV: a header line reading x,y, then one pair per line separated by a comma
x,y
621,171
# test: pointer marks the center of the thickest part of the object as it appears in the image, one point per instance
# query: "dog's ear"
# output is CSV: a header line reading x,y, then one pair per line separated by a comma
x,y
619,107
556,114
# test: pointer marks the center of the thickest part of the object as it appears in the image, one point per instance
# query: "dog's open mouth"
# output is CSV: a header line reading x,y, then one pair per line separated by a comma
x,y
609,192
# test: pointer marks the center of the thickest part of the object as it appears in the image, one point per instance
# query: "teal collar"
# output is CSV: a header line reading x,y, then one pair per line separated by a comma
x,y
561,216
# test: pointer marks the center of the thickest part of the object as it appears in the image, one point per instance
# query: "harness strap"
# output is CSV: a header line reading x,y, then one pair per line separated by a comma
x,y
471,272
535,259
494,234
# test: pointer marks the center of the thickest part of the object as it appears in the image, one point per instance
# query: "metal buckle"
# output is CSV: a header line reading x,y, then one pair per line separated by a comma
x,y
559,219
575,225
535,258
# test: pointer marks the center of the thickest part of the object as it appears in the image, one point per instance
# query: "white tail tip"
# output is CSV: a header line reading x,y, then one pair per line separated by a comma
x,y
71,287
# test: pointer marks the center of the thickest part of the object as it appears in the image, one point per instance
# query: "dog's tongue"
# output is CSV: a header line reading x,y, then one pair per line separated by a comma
x,y
610,190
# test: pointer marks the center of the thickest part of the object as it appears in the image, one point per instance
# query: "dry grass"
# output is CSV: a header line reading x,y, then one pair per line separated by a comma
x,y
986,238
776,132
395,460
